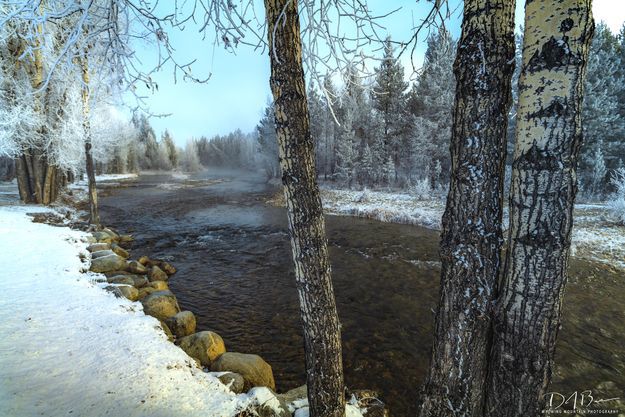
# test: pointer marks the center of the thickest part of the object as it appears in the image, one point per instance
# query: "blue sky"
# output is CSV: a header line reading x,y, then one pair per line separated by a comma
x,y
238,89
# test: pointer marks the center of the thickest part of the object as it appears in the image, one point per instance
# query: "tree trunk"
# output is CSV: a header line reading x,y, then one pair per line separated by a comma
x,y
322,334
548,139
471,238
37,180
94,216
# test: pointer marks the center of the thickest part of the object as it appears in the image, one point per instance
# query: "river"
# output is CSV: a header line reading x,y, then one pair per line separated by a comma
x,y
235,273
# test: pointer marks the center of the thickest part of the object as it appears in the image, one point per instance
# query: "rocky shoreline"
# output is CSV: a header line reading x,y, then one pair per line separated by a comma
x,y
145,281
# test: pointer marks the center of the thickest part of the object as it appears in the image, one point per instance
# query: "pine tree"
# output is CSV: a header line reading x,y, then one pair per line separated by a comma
x,y
268,143
317,130
602,125
366,172
389,99
172,152
345,152
430,102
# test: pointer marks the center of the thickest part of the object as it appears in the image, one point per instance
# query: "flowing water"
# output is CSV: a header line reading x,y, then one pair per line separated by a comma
x,y
235,273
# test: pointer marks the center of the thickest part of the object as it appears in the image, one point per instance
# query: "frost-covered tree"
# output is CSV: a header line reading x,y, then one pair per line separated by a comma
x,y
430,104
603,126
268,143
345,151
172,152
189,159
389,99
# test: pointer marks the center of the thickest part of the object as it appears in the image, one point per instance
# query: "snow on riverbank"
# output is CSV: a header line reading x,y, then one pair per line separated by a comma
x,y
595,236
394,207
69,347
111,180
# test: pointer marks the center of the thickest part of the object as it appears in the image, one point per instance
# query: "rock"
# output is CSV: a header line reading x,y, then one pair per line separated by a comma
x,y
144,260
234,381
139,281
136,268
145,291
123,291
160,304
129,292
108,263
158,285
120,251
122,279
110,233
168,268
182,324
167,331
114,273
125,239
297,395
269,405
94,247
101,253
205,346
105,237
157,274
255,371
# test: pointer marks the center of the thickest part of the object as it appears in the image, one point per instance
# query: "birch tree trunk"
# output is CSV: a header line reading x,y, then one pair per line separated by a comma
x,y
322,333
472,238
548,139
94,216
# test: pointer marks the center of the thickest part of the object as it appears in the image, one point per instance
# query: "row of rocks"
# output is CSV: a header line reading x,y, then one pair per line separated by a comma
x,y
146,280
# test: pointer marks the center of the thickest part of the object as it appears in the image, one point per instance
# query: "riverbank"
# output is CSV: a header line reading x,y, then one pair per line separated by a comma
x,y
66,326
596,237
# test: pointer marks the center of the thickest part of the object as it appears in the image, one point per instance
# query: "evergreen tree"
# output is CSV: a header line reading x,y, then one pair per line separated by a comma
x,y
172,152
389,99
330,128
603,127
345,153
430,104
268,143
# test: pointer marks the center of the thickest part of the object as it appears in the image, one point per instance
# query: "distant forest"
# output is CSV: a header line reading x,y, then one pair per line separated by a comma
x,y
386,132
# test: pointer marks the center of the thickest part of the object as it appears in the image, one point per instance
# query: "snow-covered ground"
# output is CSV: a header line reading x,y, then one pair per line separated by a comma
x,y
108,179
595,236
68,347
394,207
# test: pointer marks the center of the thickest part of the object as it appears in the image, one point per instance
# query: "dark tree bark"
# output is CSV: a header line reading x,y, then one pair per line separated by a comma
x,y
38,182
548,139
94,215
472,236
322,334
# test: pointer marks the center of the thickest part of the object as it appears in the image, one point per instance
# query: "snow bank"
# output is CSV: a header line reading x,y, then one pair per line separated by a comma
x,y
384,206
68,347
108,179
595,237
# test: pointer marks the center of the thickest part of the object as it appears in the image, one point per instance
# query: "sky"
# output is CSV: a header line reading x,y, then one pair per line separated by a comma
x,y
238,89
